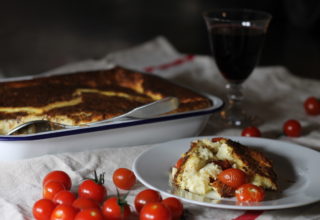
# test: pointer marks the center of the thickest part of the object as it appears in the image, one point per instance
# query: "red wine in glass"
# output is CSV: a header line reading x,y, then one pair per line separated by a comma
x,y
236,38
236,50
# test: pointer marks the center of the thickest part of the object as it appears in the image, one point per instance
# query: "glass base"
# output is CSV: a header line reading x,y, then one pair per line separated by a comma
x,y
240,119
221,121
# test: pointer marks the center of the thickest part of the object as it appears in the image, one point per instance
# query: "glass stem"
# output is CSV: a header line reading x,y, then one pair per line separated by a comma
x,y
234,94
234,110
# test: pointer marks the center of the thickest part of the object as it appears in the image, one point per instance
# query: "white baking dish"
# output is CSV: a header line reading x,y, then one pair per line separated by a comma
x,y
116,134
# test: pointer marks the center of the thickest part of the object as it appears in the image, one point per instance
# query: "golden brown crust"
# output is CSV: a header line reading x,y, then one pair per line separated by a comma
x,y
89,96
254,162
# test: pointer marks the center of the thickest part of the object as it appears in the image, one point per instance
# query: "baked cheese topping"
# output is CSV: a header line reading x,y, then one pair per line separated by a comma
x,y
85,97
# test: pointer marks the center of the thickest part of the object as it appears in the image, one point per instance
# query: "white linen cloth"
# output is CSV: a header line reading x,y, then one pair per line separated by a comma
x,y
272,93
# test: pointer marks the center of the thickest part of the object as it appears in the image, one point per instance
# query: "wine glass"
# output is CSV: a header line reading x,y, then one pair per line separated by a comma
x,y
236,38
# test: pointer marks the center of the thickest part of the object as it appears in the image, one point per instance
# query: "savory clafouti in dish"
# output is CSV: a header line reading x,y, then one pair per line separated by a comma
x,y
85,97
224,168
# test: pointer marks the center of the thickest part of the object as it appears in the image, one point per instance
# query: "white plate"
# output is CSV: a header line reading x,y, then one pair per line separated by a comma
x,y
297,168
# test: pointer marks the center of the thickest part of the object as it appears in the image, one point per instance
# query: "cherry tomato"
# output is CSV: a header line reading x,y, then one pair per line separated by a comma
x,y
93,188
292,128
64,197
85,203
58,176
179,162
51,188
250,193
251,132
233,177
146,196
312,106
89,214
216,139
175,206
42,209
116,208
124,178
63,212
155,211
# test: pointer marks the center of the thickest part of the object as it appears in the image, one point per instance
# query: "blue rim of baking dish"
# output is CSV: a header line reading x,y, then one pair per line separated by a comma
x,y
217,105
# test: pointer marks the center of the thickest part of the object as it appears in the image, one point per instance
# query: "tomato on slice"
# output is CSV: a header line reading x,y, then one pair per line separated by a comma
x,y
251,132
216,139
292,128
233,177
175,206
124,178
146,196
90,214
116,208
58,176
250,193
179,163
42,209
85,203
63,212
155,211
64,197
51,188
93,188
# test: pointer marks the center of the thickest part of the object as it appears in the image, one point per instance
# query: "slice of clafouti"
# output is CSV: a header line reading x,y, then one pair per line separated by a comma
x,y
205,159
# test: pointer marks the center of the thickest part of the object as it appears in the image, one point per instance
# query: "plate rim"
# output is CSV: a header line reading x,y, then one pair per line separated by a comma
x,y
224,206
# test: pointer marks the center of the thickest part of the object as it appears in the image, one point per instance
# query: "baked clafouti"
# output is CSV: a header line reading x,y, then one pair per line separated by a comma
x,y
200,166
80,98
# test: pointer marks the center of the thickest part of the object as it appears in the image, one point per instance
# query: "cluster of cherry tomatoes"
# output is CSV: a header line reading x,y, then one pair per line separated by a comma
x,y
91,201
292,127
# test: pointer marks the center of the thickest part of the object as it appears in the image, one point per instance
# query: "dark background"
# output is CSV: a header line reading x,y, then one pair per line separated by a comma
x,y
36,36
